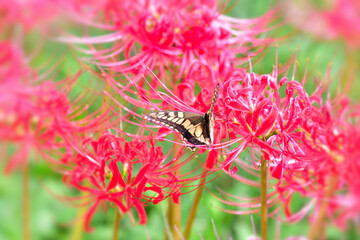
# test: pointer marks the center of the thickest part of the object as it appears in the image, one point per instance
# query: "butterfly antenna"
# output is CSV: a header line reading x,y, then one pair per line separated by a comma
x,y
214,98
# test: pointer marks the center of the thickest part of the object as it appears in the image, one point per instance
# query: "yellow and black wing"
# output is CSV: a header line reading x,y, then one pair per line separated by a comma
x,y
193,127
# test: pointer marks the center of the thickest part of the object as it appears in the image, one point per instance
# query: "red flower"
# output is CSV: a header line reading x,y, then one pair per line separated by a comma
x,y
309,143
35,114
26,13
169,36
339,19
125,174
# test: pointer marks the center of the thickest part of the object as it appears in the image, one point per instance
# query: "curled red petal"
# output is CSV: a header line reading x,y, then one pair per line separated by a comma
x,y
141,211
140,175
211,159
89,215
115,175
120,205
268,122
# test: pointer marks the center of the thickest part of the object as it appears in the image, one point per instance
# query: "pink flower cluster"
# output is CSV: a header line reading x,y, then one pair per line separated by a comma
x,y
182,43
127,174
339,19
309,142
36,113
176,37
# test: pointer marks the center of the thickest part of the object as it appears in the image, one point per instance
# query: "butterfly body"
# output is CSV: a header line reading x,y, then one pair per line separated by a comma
x,y
196,129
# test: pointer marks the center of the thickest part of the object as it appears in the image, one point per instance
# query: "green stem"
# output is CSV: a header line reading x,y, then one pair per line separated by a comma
x,y
116,225
349,71
26,203
176,219
173,216
318,226
264,210
78,229
194,207
174,210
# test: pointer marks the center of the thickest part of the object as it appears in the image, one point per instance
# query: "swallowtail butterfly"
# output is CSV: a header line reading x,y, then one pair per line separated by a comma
x,y
194,128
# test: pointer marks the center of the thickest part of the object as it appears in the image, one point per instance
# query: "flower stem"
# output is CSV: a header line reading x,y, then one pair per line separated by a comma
x,y
174,213
347,79
264,212
78,229
116,225
318,225
26,202
194,207
174,210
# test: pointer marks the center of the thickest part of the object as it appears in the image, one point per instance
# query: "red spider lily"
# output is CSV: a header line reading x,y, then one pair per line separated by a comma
x,y
294,133
345,14
13,66
140,98
339,20
127,174
40,14
327,166
246,109
309,143
27,14
34,113
169,101
172,35
334,174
